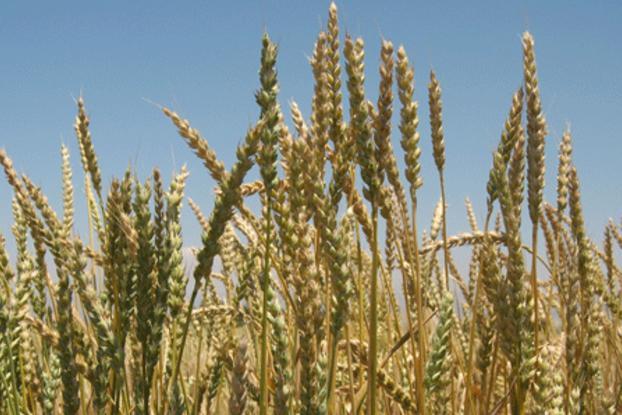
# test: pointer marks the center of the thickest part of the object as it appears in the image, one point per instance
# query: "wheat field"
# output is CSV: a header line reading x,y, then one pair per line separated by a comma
x,y
333,297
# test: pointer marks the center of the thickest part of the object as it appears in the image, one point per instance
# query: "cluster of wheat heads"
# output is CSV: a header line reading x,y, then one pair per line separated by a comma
x,y
309,320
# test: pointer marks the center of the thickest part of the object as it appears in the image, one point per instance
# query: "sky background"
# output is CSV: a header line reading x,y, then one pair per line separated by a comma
x,y
201,59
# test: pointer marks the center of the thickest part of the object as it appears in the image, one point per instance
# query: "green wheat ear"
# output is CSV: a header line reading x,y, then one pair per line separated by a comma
x,y
438,367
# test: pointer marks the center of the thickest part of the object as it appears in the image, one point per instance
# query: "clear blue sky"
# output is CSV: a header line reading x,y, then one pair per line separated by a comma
x,y
201,58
